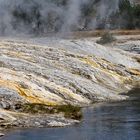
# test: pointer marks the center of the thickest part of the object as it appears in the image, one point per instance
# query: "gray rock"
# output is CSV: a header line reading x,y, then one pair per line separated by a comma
x,y
1,134
133,47
5,105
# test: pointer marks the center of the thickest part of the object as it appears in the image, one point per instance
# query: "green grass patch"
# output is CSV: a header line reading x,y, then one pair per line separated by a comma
x,y
69,111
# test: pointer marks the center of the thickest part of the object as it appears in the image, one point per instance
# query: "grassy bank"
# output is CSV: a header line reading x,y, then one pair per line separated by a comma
x,y
69,111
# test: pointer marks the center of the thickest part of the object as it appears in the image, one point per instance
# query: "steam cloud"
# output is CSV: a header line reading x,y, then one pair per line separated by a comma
x,y
43,16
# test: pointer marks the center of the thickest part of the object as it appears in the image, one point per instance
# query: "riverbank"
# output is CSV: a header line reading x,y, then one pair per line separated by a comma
x,y
39,116
108,120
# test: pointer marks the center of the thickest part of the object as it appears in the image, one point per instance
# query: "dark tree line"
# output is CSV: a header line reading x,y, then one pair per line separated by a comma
x,y
29,14
128,16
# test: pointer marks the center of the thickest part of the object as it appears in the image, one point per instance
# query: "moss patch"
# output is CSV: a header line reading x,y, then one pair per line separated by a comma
x,y
69,111
73,112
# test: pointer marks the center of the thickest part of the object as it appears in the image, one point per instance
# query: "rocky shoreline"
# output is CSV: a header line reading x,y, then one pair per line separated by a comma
x,y
18,113
19,119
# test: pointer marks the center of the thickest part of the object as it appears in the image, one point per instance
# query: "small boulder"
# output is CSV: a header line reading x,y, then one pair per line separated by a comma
x,y
1,134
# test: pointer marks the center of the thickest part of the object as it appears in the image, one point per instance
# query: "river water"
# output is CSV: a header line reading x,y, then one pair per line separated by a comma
x,y
103,121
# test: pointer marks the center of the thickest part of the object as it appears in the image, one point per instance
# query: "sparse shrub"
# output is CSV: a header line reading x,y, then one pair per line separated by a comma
x,y
37,108
72,112
106,38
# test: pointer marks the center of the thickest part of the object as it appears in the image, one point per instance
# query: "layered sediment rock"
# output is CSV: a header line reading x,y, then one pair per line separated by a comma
x,y
130,46
56,72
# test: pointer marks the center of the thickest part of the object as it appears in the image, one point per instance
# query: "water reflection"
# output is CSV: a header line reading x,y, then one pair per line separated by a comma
x,y
110,121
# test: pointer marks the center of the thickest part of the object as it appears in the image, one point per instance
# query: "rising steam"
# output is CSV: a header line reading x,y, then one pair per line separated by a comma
x,y
43,16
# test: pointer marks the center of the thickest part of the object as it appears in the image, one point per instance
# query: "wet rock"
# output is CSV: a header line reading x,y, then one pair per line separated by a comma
x,y
57,124
1,134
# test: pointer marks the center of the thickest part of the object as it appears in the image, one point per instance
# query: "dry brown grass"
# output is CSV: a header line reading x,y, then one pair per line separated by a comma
x,y
98,33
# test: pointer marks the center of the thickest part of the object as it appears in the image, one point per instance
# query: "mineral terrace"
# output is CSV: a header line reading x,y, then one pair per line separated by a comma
x,y
55,71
